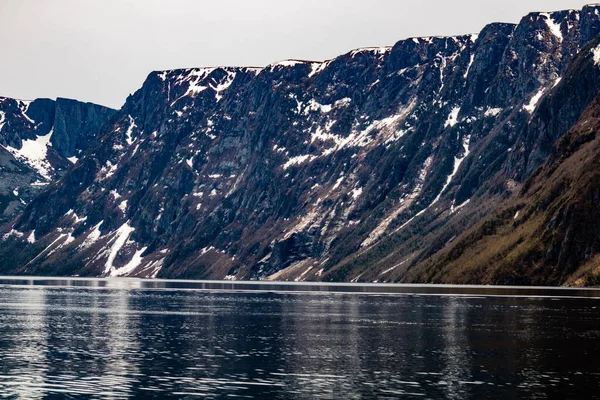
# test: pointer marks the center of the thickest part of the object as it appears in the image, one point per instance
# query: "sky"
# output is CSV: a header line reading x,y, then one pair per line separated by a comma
x,y
102,50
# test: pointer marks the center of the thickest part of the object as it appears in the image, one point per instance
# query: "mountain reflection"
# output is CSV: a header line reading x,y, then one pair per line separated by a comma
x,y
456,372
27,355
97,340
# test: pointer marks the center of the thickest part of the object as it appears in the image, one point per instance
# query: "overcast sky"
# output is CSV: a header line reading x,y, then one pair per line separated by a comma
x,y
102,50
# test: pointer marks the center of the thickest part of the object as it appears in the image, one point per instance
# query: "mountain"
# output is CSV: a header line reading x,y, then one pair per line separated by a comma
x,y
547,234
361,168
39,141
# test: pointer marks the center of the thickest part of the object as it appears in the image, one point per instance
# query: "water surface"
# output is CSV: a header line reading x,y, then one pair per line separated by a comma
x,y
78,338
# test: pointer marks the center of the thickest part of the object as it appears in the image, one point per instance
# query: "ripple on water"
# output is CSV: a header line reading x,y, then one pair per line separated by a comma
x,y
123,343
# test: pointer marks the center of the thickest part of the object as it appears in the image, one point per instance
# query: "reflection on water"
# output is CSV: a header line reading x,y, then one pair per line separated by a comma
x,y
94,341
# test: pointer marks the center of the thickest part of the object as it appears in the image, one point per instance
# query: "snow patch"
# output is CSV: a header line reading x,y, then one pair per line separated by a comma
x,y
76,219
466,75
375,50
317,67
130,130
24,107
131,266
39,183
387,271
106,171
557,81
298,160
343,102
530,108
289,63
553,26
34,154
388,126
457,162
356,193
12,232
123,206
595,52
492,112
121,236
284,64
193,78
224,85
454,208
337,183
452,117
313,105
302,275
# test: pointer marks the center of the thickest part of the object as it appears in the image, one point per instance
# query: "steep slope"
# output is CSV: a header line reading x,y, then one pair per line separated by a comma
x,y
548,234
40,140
411,256
340,170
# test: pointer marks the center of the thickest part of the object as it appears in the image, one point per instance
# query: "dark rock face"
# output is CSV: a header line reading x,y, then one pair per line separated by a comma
x,y
39,139
547,234
76,125
358,168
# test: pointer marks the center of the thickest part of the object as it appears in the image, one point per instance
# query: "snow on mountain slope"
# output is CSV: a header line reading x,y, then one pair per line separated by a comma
x,y
354,168
547,233
34,153
39,155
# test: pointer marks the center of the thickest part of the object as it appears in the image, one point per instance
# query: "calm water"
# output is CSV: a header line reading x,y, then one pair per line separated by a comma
x,y
152,339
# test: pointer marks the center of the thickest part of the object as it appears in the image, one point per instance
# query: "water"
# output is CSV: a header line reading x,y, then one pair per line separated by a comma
x,y
153,339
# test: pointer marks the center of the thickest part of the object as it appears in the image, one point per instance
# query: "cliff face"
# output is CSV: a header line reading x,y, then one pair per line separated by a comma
x,y
76,126
40,140
547,234
363,167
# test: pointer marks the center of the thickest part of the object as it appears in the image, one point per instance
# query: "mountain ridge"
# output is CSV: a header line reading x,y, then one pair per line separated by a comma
x,y
39,140
348,169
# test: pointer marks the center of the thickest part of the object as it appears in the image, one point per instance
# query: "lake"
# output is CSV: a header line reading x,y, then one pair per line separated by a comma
x,y
150,339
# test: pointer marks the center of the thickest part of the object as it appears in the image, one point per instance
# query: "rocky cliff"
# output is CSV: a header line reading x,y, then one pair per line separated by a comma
x,y
40,140
360,168
547,233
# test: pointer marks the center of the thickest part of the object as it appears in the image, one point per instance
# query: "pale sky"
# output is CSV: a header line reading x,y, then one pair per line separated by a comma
x,y
102,50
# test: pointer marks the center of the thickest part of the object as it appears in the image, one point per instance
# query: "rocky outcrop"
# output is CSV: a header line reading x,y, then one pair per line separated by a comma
x,y
40,140
360,168
76,126
547,234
